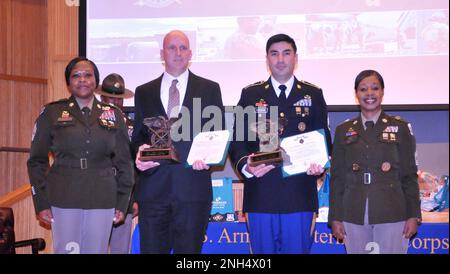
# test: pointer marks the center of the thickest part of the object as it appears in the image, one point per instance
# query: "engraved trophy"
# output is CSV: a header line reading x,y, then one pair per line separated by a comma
x,y
270,152
161,147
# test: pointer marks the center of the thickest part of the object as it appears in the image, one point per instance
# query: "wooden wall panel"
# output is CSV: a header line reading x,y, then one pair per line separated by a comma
x,y
37,39
22,105
5,34
23,89
13,170
5,119
62,45
27,227
29,38
27,102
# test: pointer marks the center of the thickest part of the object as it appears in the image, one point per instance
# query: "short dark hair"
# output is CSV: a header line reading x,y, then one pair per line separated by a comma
x,y
366,73
281,37
75,61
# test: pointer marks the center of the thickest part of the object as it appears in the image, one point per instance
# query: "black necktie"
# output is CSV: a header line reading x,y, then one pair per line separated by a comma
x,y
369,125
86,112
282,96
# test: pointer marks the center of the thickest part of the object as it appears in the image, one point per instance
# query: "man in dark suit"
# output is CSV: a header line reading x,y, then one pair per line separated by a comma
x,y
174,201
280,211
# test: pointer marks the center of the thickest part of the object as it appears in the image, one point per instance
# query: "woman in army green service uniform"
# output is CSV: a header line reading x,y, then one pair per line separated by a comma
x,y
374,194
80,195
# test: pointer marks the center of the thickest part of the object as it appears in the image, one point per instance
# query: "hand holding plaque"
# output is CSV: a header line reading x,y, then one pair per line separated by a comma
x,y
160,142
269,144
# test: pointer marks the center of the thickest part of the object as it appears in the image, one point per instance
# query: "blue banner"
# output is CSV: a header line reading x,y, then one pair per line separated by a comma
x,y
222,208
233,238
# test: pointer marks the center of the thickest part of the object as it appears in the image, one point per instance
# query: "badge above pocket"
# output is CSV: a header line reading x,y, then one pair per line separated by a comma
x,y
351,136
65,119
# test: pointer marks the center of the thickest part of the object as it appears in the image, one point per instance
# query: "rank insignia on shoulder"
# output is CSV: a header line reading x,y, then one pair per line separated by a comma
x,y
64,100
298,86
308,83
267,86
255,84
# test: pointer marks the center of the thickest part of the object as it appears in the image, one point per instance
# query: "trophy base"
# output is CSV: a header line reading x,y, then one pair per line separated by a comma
x,y
269,158
157,154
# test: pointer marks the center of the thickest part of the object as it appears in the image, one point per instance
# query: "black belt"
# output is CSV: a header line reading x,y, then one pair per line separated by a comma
x,y
82,163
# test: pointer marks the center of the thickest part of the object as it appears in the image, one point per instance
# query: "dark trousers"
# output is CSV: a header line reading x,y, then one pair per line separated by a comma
x,y
173,226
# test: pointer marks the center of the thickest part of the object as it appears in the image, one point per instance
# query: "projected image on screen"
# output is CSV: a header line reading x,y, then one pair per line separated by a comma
x,y
406,41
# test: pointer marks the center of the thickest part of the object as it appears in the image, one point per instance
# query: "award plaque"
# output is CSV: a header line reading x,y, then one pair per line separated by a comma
x,y
161,147
270,152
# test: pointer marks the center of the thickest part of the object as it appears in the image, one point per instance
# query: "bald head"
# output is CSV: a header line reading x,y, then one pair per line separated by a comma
x,y
173,34
176,52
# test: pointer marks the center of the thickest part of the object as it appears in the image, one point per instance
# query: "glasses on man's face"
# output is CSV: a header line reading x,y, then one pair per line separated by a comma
x,y
173,48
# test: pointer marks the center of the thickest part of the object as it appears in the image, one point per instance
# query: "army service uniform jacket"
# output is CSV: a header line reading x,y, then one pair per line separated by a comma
x,y
379,166
305,111
84,153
